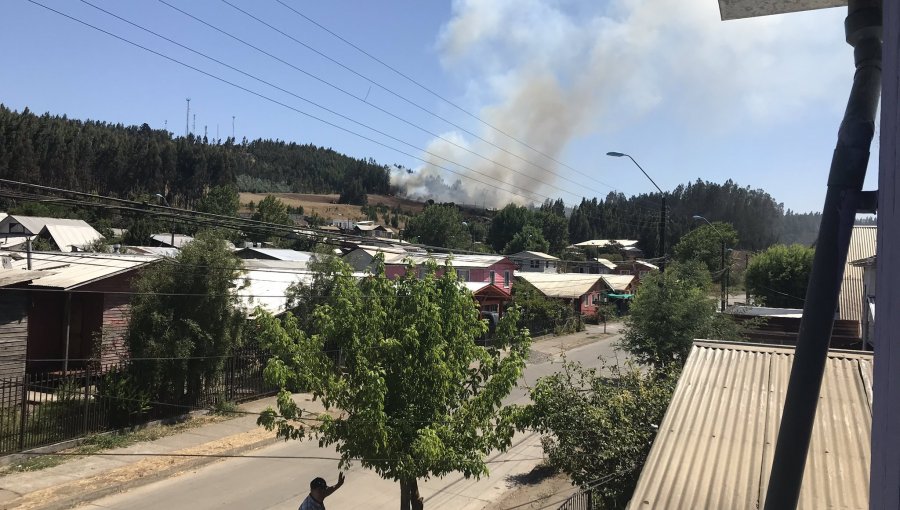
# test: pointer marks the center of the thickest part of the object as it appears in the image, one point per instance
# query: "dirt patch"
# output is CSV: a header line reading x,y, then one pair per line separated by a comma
x,y
327,206
540,488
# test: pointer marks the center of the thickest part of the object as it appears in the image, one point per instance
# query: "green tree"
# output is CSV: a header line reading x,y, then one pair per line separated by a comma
x,y
670,311
555,229
140,232
704,243
186,311
417,396
353,192
270,210
600,427
530,238
778,277
541,314
506,224
222,200
439,225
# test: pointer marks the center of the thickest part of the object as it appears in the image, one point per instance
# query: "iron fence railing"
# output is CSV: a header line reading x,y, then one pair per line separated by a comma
x,y
40,409
581,500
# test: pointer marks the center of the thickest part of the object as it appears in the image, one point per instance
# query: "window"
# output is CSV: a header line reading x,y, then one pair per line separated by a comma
x,y
491,308
493,277
462,275
624,271
534,264
506,278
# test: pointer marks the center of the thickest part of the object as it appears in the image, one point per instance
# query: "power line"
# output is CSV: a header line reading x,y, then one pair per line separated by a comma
x,y
354,96
333,112
406,99
297,110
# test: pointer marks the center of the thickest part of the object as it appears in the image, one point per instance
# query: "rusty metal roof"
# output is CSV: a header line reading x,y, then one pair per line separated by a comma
x,y
717,440
850,301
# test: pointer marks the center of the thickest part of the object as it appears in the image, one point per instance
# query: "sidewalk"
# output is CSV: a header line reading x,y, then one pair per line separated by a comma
x,y
94,476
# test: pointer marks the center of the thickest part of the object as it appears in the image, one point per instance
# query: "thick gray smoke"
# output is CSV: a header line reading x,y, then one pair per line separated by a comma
x,y
552,72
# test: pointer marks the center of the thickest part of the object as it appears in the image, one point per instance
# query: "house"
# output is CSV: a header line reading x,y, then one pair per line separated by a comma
x,y
781,326
495,269
867,314
585,292
638,268
591,266
606,243
631,253
535,261
715,445
490,297
66,234
158,251
77,307
168,240
264,283
274,254
850,300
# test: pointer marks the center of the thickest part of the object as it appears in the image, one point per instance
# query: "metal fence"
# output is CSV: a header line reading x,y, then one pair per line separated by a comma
x,y
581,500
41,409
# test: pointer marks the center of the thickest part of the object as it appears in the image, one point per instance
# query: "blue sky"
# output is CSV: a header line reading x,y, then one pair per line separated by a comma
x,y
757,101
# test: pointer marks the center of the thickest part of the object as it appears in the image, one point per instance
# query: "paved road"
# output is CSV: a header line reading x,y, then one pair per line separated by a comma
x,y
269,483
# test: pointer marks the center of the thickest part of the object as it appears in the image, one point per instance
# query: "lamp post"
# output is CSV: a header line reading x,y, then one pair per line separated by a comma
x,y
173,218
722,279
662,208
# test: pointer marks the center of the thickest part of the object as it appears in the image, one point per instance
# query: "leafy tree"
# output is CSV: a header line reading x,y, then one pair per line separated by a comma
x,y
670,311
140,232
439,225
705,244
555,229
418,397
600,426
529,238
778,277
186,310
272,210
506,224
353,192
222,200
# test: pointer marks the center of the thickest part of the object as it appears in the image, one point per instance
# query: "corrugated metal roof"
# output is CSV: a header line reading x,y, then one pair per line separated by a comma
x,y
14,276
11,241
606,263
280,254
166,239
159,251
533,255
737,9
267,289
716,443
72,237
34,224
862,245
561,285
600,243
67,271
617,282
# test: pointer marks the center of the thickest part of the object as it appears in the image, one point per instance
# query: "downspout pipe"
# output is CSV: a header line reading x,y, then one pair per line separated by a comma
x,y
842,201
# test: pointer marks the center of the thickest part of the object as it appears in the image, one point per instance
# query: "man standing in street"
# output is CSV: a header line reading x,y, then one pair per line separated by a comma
x,y
318,491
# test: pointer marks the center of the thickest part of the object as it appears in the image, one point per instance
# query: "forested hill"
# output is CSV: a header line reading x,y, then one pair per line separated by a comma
x,y
113,159
759,220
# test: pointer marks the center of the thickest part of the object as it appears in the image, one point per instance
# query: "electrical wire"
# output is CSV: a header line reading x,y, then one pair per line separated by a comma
x,y
299,111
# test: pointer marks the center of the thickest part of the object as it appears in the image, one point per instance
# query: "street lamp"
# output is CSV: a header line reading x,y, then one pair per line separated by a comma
x,y
662,208
722,278
173,218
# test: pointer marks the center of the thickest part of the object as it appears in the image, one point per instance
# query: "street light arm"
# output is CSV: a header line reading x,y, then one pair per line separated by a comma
x,y
643,172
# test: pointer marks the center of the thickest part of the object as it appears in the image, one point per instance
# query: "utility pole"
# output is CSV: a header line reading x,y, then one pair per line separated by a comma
x,y
187,118
662,236
722,282
232,127
194,125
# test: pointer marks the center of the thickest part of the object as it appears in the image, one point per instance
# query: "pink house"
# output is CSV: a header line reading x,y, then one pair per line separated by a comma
x,y
491,269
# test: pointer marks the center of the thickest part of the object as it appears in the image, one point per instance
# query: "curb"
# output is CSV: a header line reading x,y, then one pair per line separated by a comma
x,y
93,495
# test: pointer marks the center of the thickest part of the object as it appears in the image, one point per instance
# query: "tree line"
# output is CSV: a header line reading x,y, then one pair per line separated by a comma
x,y
128,161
